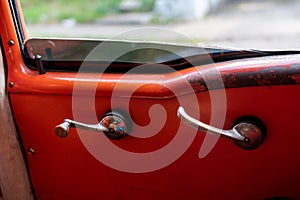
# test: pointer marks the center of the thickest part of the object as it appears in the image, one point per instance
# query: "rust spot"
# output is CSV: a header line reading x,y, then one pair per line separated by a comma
x,y
230,79
197,82
264,76
296,78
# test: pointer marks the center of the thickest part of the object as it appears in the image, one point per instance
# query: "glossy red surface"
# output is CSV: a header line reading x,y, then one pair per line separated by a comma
x,y
65,168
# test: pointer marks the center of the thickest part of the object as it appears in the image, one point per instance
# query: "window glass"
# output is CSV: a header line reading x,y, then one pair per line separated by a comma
x,y
258,24
137,52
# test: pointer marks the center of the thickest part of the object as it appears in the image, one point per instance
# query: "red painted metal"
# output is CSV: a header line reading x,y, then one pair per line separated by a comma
x,y
65,169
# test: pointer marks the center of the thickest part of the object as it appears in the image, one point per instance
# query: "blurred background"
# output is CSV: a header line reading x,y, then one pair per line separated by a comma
x,y
250,24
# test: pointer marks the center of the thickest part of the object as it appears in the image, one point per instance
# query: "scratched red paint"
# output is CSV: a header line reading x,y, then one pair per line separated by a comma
x,y
259,76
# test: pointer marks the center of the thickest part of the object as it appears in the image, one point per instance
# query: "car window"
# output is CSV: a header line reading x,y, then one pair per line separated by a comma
x,y
255,24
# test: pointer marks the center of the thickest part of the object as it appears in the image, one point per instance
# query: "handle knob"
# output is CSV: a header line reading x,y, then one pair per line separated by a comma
x,y
62,130
245,134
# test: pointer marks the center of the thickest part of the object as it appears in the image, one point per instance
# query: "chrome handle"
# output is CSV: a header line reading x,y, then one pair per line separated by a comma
x,y
112,125
245,135
62,129
207,128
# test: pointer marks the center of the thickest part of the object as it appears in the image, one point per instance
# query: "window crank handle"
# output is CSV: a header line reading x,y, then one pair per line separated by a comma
x,y
113,125
244,134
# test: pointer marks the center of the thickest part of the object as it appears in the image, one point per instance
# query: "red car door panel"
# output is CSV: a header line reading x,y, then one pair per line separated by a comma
x,y
165,164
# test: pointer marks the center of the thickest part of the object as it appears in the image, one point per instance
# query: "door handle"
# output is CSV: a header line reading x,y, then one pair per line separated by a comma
x,y
112,125
246,135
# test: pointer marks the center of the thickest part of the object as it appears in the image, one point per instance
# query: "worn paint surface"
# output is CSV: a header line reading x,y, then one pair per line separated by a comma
x,y
263,76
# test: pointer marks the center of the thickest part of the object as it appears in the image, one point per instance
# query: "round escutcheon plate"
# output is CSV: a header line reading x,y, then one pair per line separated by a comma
x,y
254,135
116,124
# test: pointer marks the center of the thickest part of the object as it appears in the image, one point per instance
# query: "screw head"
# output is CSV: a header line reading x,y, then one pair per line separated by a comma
x,y
11,84
31,151
11,42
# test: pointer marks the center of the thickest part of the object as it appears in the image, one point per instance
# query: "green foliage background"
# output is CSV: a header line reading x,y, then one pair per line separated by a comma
x,y
83,11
